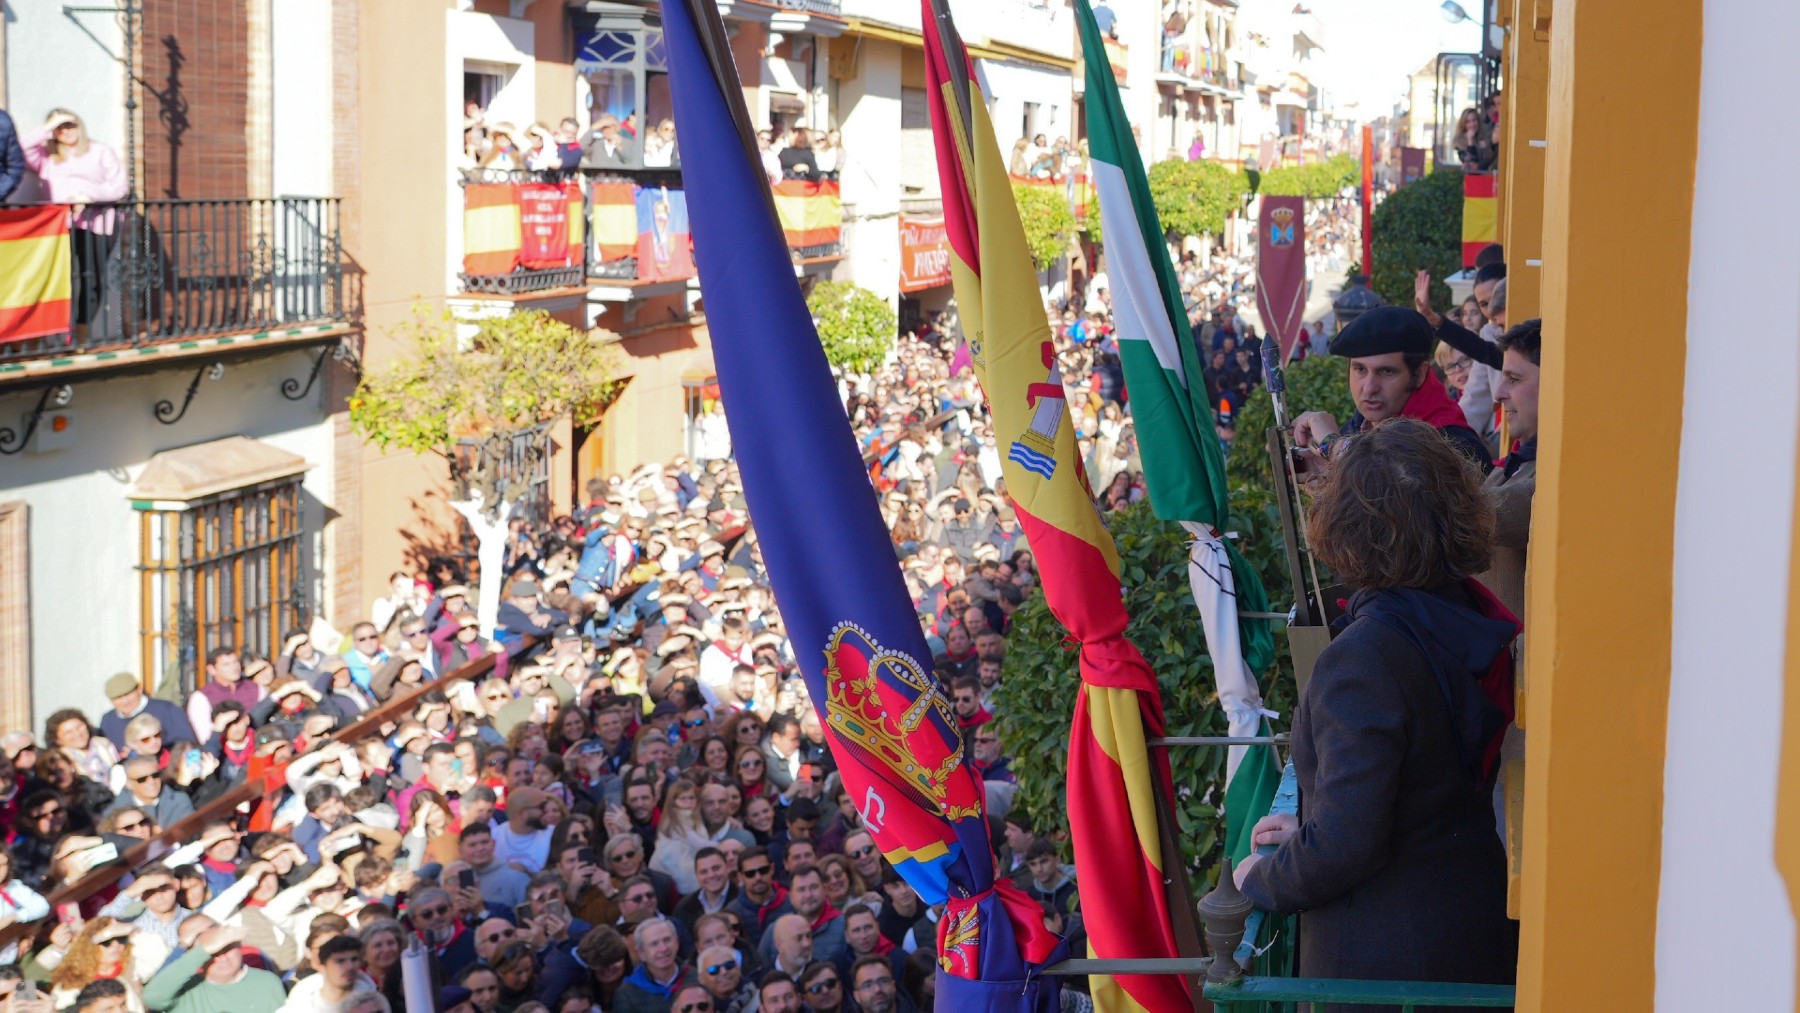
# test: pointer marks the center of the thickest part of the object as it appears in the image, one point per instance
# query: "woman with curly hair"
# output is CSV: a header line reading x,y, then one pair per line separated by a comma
x,y
679,834
68,732
105,948
742,729
1397,868
568,728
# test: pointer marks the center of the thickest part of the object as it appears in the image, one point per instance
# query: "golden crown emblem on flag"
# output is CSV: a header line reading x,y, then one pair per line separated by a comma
x,y
856,711
1281,216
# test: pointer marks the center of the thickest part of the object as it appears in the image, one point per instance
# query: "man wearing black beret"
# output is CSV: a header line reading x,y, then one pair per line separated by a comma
x,y
1390,375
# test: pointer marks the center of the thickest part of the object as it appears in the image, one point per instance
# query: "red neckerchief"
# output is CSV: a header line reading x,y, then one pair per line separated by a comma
x,y
219,866
454,936
240,755
777,897
1431,404
964,656
825,914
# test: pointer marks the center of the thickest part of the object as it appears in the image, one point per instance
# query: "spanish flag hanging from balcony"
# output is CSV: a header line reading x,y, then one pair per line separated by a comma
x,y
615,221
491,228
36,269
1113,780
812,214
1481,214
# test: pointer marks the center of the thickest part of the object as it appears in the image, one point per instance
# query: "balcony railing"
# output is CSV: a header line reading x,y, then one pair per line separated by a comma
x,y
833,7
620,227
156,271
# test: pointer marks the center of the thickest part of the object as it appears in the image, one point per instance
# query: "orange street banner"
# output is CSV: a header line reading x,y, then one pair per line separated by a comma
x,y
490,228
812,214
924,253
1481,214
615,221
36,270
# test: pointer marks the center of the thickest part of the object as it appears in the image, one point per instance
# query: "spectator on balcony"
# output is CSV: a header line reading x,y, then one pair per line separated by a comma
x,y
1019,164
503,151
797,160
771,160
568,143
80,172
828,155
659,147
541,150
12,157
604,147
1106,20
1475,142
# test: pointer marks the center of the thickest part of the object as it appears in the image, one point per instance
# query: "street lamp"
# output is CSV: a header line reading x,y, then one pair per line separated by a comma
x,y
1453,12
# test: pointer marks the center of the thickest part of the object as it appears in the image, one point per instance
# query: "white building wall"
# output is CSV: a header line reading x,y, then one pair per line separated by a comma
x,y
83,533
869,119
1722,900
52,61
304,138
483,43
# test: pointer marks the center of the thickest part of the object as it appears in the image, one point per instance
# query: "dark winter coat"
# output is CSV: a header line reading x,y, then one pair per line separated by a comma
x,y
1397,871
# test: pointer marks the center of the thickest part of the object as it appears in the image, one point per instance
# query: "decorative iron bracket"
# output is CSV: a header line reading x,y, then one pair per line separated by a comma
x,y
55,395
291,388
168,414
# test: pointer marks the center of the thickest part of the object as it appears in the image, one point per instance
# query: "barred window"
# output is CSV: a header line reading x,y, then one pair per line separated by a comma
x,y
223,571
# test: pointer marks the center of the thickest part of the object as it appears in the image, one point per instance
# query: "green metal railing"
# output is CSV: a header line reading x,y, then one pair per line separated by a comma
x,y
1269,953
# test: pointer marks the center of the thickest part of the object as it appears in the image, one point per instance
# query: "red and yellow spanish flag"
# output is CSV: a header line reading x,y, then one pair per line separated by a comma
x,y
35,271
812,214
1113,778
1481,214
614,212
491,228
577,222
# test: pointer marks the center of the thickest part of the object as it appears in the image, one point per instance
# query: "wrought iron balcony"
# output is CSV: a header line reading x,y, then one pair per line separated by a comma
x,y
154,272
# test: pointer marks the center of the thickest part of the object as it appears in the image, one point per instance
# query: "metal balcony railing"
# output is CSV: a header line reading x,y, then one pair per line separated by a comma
x,y
156,271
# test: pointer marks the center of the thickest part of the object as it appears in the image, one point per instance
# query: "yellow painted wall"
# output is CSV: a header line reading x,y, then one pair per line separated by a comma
x,y
645,425
1603,527
1522,165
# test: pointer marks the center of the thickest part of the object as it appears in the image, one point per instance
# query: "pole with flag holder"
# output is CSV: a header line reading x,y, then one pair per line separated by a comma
x,y
1315,605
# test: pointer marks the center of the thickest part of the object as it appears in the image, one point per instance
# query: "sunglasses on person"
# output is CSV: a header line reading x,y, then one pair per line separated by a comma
x,y
822,987
703,1006
617,855
863,852
696,723
756,873
749,764
729,965
126,828
433,912
500,934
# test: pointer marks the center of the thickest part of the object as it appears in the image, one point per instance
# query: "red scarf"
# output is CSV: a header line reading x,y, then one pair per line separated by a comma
x,y
1431,404
826,914
454,936
776,899
883,945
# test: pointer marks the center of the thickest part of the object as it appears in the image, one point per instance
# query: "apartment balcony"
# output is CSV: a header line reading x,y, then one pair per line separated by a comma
x,y
169,278
620,234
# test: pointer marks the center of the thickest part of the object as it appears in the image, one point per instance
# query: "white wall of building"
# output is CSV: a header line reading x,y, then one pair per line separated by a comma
x,y
483,43
1722,901
868,110
53,62
304,135
83,533
1011,87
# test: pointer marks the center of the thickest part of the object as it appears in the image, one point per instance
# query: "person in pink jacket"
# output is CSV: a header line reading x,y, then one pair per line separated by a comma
x,y
80,172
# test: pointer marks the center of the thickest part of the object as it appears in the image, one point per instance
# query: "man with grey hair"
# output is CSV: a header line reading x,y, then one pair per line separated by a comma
x,y
441,926
658,976
721,973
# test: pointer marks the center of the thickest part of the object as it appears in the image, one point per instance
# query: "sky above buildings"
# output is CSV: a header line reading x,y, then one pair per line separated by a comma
x,y
1373,46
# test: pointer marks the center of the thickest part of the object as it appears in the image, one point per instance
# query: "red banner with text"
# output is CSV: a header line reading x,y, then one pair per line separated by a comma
x,y
544,225
924,253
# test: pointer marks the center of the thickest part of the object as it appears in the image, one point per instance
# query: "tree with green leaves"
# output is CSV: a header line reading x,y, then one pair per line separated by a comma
x,y
1317,180
1049,222
516,373
856,326
1195,198
1418,226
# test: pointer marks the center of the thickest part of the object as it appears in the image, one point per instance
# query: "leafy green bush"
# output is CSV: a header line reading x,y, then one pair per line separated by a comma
x,y
1419,226
1316,180
856,326
1049,222
1195,198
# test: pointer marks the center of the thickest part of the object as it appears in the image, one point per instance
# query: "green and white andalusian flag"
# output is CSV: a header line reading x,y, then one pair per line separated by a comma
x,y
1183,462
